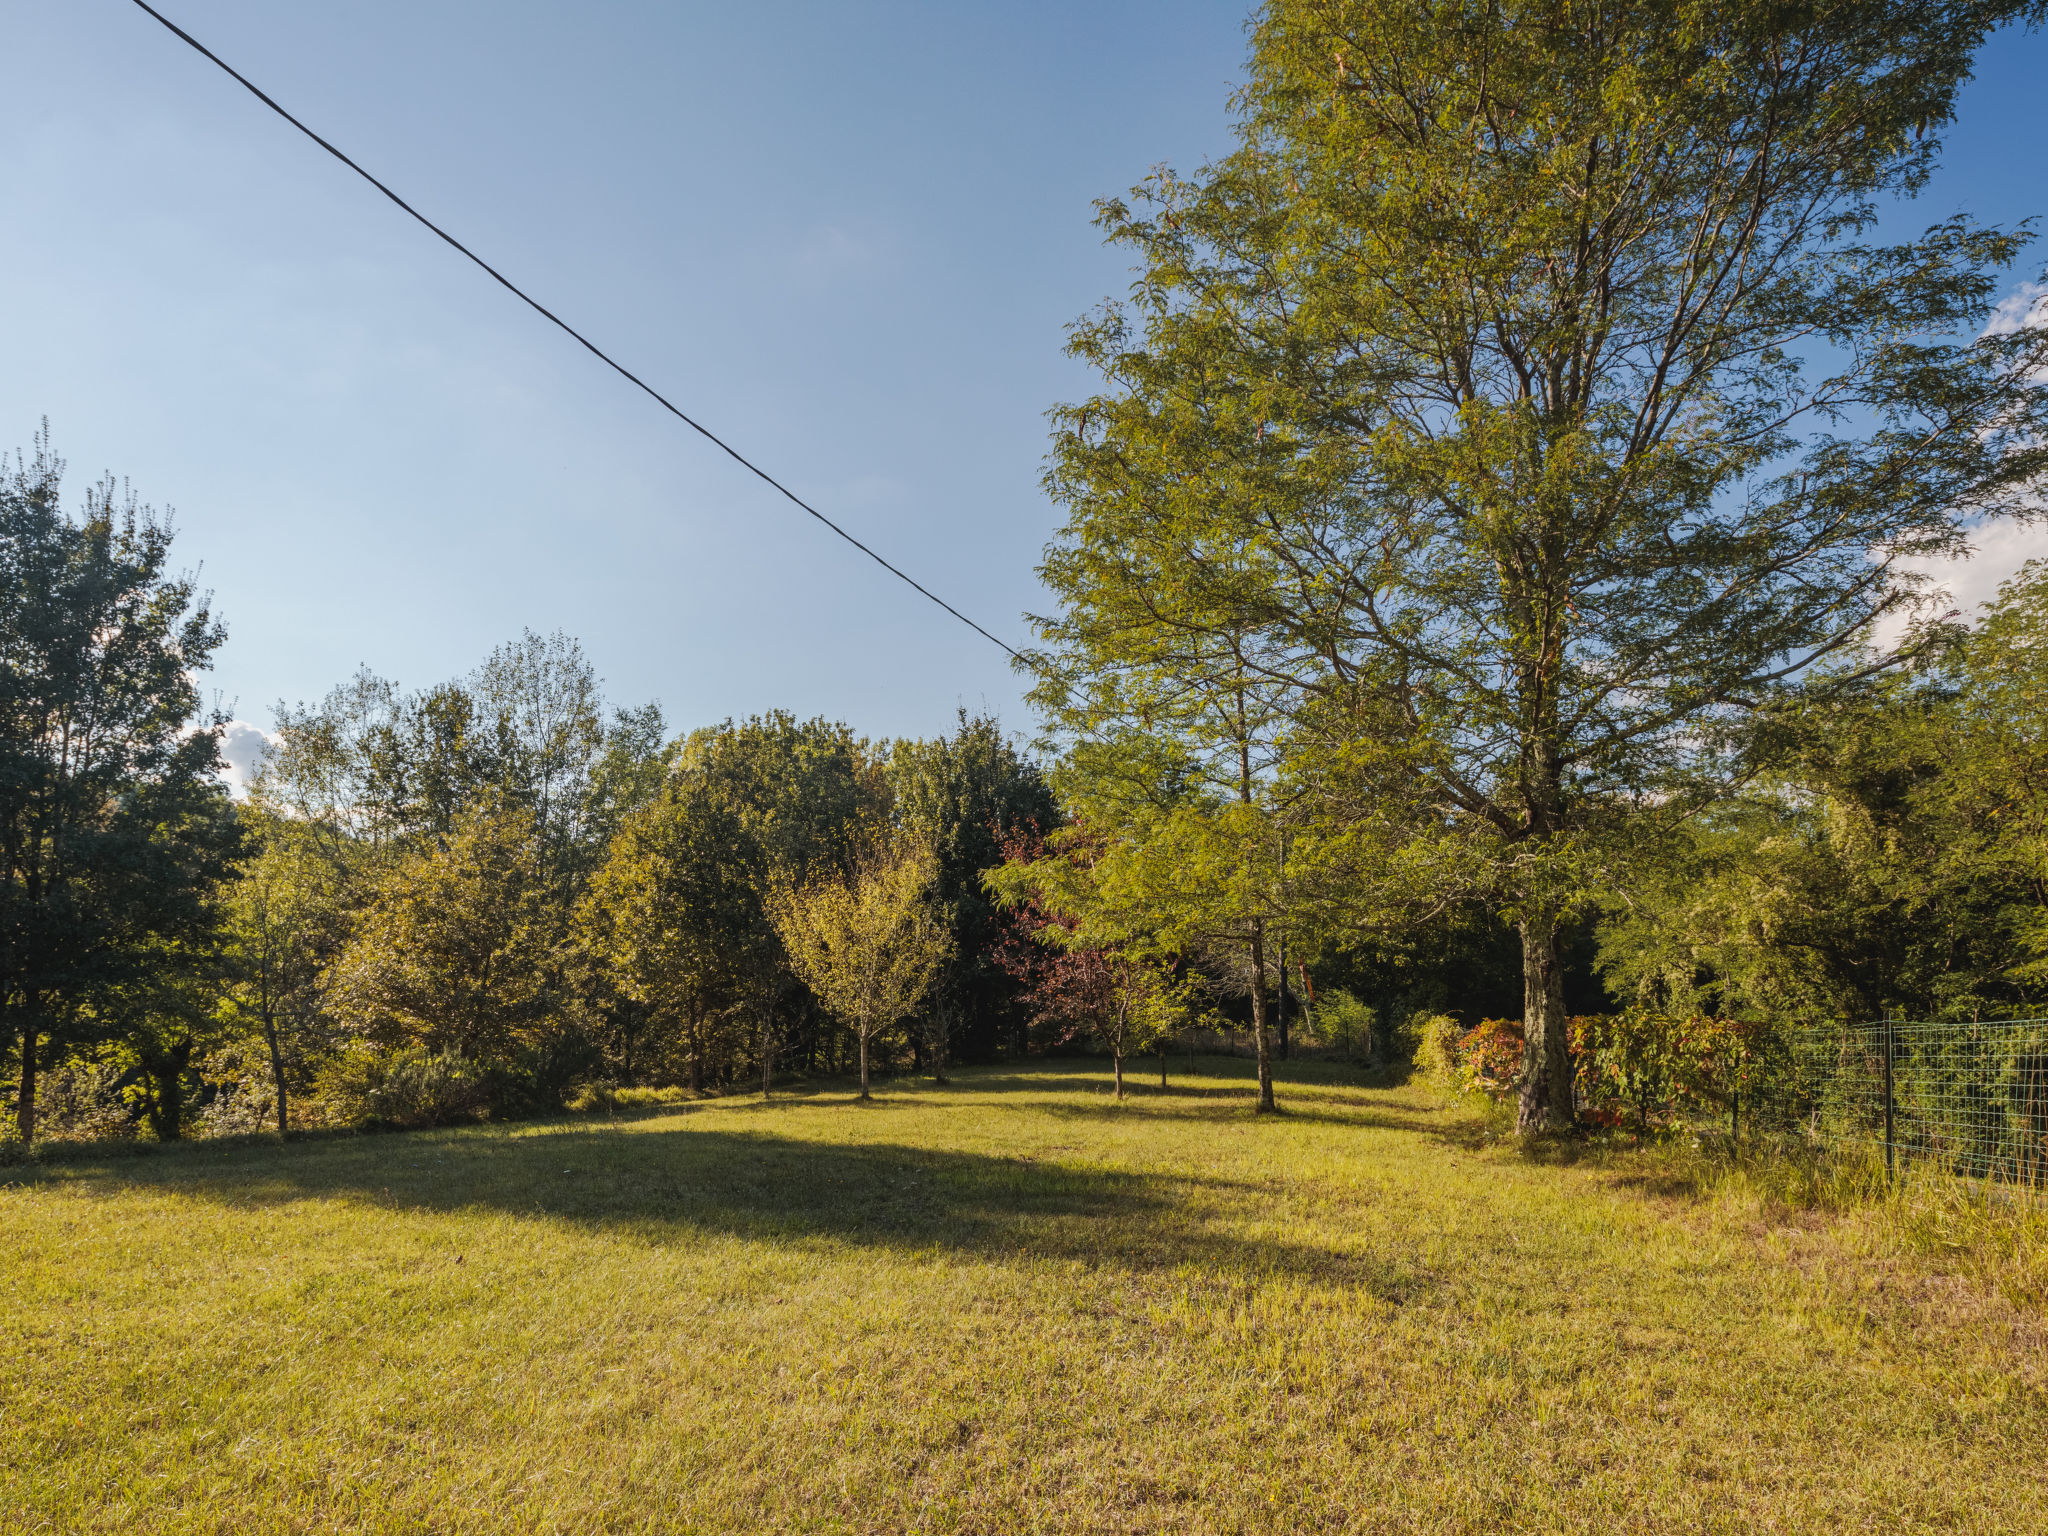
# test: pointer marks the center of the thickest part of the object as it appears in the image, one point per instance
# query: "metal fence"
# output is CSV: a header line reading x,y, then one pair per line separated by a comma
x,y
1964,1099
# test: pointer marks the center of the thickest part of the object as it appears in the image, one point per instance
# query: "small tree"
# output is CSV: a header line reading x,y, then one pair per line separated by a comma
x,y
868,944
1086,960
284,919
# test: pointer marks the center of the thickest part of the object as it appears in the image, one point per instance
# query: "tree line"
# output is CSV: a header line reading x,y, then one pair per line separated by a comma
x,y
471,898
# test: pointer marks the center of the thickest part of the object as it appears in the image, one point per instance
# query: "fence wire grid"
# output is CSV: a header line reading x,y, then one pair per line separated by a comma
x,y
1963,1099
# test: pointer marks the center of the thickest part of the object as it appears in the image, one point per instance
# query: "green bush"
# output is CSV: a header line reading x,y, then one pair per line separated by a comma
x,y
411,1088
438,1088
1438,1038
602,1098
1343,1023
83,1101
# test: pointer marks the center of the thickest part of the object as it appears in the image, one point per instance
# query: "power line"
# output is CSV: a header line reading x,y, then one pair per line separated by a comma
x,y
510,287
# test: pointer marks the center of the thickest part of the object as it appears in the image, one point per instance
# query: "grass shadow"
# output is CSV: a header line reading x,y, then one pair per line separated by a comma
x,y
679,1184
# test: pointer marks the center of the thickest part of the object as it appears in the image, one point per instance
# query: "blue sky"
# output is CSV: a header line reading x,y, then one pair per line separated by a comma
x,y
848,236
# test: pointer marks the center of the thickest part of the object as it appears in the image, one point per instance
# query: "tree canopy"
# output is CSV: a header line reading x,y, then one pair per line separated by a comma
x,y
1521,406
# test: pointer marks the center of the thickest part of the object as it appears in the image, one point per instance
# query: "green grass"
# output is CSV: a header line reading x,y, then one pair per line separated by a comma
x,y
1004,1305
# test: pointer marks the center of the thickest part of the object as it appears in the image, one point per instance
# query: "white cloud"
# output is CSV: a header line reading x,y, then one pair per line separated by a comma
x,y
2025,305
242,745
1998,550
1967,584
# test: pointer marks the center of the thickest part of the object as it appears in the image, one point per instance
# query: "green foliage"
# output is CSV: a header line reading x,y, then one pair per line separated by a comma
x,y
870,942
406,1088
1893,858
285,921
667,927
1348,1025
84,1100
459,949
965,796
114,831
423,1088
1452,489
1439,1038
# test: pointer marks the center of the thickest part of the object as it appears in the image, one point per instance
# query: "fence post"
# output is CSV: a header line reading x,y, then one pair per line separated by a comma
x,y
1890,1170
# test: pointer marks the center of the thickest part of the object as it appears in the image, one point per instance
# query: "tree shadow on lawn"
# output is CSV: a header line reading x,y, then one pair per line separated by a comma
x,y
1085,1093
1082,1090
672,1186
1423,1121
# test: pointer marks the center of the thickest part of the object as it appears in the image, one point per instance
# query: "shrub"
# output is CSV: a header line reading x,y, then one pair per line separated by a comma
x,y
244,1097
1490,1058
83,1101
410,1089
1439,1036
1649,1065
601,1098
1345,1024
422,1088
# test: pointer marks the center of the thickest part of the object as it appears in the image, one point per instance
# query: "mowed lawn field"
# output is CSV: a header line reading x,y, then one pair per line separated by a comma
x,y
1004,1305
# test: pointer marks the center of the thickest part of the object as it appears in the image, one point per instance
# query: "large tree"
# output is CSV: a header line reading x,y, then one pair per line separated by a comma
x,y
115,830
670,922
1527,398
458,947
800,791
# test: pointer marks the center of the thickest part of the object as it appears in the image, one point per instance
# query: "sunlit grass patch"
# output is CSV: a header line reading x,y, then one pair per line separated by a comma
x,y
1004,1304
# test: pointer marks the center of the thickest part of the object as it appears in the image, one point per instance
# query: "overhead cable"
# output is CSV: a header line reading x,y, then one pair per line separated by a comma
x,y
549,315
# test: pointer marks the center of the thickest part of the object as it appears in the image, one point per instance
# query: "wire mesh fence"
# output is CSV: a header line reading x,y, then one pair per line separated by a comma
x,y
1963,1099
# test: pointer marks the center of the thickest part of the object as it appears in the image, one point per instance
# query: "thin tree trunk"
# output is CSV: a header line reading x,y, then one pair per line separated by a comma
x,y
25,1098
1261,1037
767,1049
864,1066
276,1072
1162,1066
1117,1055
1280,996
1546,1088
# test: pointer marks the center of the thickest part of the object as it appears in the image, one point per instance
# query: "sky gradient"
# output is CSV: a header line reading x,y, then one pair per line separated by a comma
x,y
846,236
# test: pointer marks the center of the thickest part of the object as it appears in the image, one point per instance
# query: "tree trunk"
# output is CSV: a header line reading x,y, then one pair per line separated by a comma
x,y
276,1072
1117,1056
1162,1066
1546,1089
864,1066
1261,1038
767,1050
1280,996
166,1069
696,1048
25,1099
